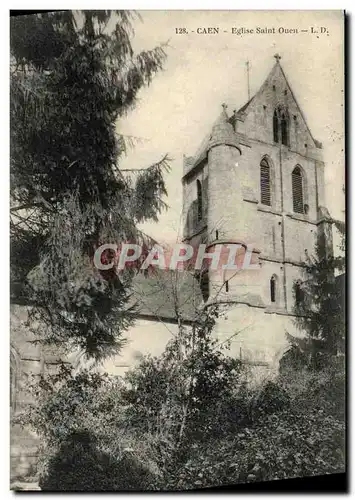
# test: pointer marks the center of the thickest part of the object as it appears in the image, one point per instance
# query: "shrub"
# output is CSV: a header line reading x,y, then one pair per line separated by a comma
x,y
187,392
80,465
323,390
291,428
280,446
187,422
271,399
85,445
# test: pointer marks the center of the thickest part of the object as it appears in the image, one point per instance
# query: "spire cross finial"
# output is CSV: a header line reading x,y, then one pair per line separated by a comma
x,y
224,106
277,57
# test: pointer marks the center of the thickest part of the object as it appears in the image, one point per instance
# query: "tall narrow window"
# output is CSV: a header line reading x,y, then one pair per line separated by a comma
x,y
199,200
275,124
297,190
273,289
284,131
265,192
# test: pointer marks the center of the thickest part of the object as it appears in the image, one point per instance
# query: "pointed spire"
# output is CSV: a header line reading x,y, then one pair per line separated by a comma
x,y
223,117
224,111
222,131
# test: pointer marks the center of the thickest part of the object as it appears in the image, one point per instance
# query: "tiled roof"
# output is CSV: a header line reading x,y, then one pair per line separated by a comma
x,y
222,133
165,294
159,295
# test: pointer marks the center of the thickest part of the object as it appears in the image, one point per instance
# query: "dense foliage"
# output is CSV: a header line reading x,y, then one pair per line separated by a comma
x,y
181,422
185,390
74,75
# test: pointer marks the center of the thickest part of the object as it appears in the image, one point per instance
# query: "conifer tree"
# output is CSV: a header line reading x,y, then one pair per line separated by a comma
x,y
74,75
320,305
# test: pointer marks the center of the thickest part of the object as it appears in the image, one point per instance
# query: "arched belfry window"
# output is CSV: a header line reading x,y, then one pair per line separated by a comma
x,y
273,282
297,190
265,189
275,126
199,200
284,129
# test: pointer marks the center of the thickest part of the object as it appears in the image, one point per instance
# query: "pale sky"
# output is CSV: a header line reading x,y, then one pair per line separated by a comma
x,y
202,71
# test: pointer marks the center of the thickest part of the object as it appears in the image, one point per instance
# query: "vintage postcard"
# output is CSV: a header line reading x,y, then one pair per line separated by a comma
x,y
177,219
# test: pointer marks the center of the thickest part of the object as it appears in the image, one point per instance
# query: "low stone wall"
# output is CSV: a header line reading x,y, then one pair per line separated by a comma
x,y
27,361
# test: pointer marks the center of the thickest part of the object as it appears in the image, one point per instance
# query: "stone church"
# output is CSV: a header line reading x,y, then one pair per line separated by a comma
x,y
257,180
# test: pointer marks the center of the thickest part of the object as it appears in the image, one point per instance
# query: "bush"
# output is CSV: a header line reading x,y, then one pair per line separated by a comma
x,y
184,394
323,390
183,423
292,428
271,399
280,446
80,465
85,443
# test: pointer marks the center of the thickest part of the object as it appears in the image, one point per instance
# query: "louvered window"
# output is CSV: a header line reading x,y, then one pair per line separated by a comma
x,y
199,200
297,190
265,194
275,124
284,131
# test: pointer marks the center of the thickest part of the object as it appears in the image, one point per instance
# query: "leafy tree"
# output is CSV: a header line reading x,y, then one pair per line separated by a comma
x,y
74,75
161,407
185,420
185,392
